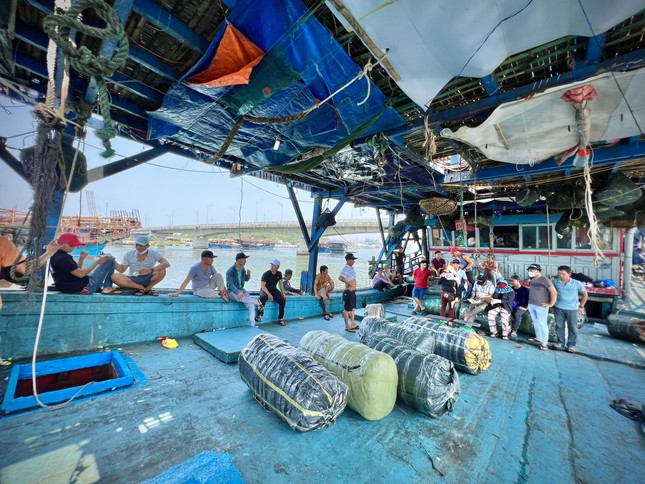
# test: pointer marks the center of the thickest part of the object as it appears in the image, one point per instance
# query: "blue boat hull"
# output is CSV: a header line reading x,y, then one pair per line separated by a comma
x,y
87,322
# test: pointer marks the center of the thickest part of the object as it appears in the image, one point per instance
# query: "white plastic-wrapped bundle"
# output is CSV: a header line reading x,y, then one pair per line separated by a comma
x,y
377,310
466,349
290,382
428,383
370,375
412,337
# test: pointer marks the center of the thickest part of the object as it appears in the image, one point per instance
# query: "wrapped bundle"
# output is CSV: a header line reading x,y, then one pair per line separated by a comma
x,y
466,349
412,338
290,382
370,375
377,310
427,382
627,325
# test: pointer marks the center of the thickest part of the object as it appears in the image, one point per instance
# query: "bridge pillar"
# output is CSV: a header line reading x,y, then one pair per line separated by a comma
x,y
200,243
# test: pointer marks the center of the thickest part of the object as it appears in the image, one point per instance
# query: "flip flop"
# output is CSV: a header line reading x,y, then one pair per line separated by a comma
x,y
349,330
151,292
327,318
281,322
139,292
111,290
356,327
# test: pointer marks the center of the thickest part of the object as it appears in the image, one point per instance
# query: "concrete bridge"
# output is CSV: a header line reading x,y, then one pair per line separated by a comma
x,y
201,233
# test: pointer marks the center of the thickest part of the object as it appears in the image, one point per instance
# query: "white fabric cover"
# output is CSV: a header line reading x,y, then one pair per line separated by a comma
x,y
432,41
530,131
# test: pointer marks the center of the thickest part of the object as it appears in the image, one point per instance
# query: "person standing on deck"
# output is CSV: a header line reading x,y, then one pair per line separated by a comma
x,y
542,296
449,284
466,265
236,276
520,305
323,286
272,289
399,264
206,281
438,264
348,276
286,282
421,275
144,273
68,276
571,301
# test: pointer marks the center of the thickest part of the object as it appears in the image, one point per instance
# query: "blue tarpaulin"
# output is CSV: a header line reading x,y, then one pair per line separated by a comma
x,y
303,64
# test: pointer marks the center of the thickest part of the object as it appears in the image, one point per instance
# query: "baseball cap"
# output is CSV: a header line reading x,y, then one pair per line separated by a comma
x,y
208,253
71,239
287,272
350,256
535,267
142,240
454,250
455,261
275,262
241,255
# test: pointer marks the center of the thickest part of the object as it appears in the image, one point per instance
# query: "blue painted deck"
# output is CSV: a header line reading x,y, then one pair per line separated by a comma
x,y
75,322
533,417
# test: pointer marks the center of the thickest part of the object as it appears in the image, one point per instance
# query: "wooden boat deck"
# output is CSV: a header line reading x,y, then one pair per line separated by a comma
x,y
533,417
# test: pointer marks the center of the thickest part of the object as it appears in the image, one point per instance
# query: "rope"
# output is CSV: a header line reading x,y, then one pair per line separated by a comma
x,y
430,143
58,27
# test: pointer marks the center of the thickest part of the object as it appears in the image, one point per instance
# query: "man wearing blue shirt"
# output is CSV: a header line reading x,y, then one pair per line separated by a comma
x,y
571,301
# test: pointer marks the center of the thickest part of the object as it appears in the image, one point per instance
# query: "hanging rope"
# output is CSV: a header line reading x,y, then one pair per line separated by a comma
x,y
58,27
430,143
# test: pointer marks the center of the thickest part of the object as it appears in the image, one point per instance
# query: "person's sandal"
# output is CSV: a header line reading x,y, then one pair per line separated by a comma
x,y
151,292
281,322
139,292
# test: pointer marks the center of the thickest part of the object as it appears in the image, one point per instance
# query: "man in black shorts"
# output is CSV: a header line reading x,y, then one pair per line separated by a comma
x,y
269,290
348,276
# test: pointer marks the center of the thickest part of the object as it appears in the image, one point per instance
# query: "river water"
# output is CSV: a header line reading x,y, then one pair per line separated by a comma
x,y
181,258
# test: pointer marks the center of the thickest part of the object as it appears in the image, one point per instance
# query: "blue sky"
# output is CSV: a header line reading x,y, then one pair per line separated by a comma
x,y
169,189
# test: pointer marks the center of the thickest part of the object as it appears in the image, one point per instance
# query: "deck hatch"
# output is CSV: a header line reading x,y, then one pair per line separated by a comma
x,y
58,380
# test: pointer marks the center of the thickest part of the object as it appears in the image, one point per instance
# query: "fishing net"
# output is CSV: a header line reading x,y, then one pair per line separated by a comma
x,y
527,197
466,349
619,190
68,152
370,375
428,383
291,383
418,340
438,206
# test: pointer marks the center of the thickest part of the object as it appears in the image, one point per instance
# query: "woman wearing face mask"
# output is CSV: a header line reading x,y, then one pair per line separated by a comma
x,y
542,296
144,271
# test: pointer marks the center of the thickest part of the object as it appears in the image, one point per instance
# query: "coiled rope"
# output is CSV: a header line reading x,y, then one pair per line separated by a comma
x,y
58,27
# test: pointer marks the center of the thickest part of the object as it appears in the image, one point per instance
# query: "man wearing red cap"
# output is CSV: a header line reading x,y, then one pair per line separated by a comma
x,y
71,278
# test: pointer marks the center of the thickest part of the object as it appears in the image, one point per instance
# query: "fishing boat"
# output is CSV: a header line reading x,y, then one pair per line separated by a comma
x,y
332,247
526,126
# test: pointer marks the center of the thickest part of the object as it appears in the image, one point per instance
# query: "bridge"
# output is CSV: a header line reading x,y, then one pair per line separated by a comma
x,y
201,233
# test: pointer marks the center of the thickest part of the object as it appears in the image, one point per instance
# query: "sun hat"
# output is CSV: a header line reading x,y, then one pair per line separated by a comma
x,y
141,240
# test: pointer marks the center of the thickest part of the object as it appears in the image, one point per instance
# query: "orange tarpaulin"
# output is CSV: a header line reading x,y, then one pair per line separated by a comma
x,y
234,60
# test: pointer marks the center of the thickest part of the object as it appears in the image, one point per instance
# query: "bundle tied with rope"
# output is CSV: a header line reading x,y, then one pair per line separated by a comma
x,y
58,27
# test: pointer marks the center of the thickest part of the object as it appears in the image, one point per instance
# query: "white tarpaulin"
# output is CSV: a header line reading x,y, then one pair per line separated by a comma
x,y
432,41
532,130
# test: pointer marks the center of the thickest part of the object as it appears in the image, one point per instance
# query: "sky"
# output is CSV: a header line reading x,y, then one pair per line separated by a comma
x,y
169,190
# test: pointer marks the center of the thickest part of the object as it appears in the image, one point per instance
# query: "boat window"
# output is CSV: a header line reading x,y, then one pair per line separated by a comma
x,y
562,241
506,236
605,240
440,238
484,236
543,241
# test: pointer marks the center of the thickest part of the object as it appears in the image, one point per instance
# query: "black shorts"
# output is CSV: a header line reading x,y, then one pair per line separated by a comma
x,y
349,298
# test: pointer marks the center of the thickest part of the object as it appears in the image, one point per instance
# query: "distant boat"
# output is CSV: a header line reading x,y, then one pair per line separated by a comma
x,y
242,244
332,247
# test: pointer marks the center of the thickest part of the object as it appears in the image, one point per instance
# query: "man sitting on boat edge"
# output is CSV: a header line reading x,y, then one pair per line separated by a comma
x,y
236,276
72,278
286,282
323,286
206,281
269,290
144,272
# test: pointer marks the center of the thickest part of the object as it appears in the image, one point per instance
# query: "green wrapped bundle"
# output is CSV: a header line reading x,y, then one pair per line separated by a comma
x,y
370,375
429,383
291,383
466,349
417,340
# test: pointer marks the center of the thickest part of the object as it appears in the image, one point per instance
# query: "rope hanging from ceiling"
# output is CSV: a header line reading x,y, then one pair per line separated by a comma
x,y
58,28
